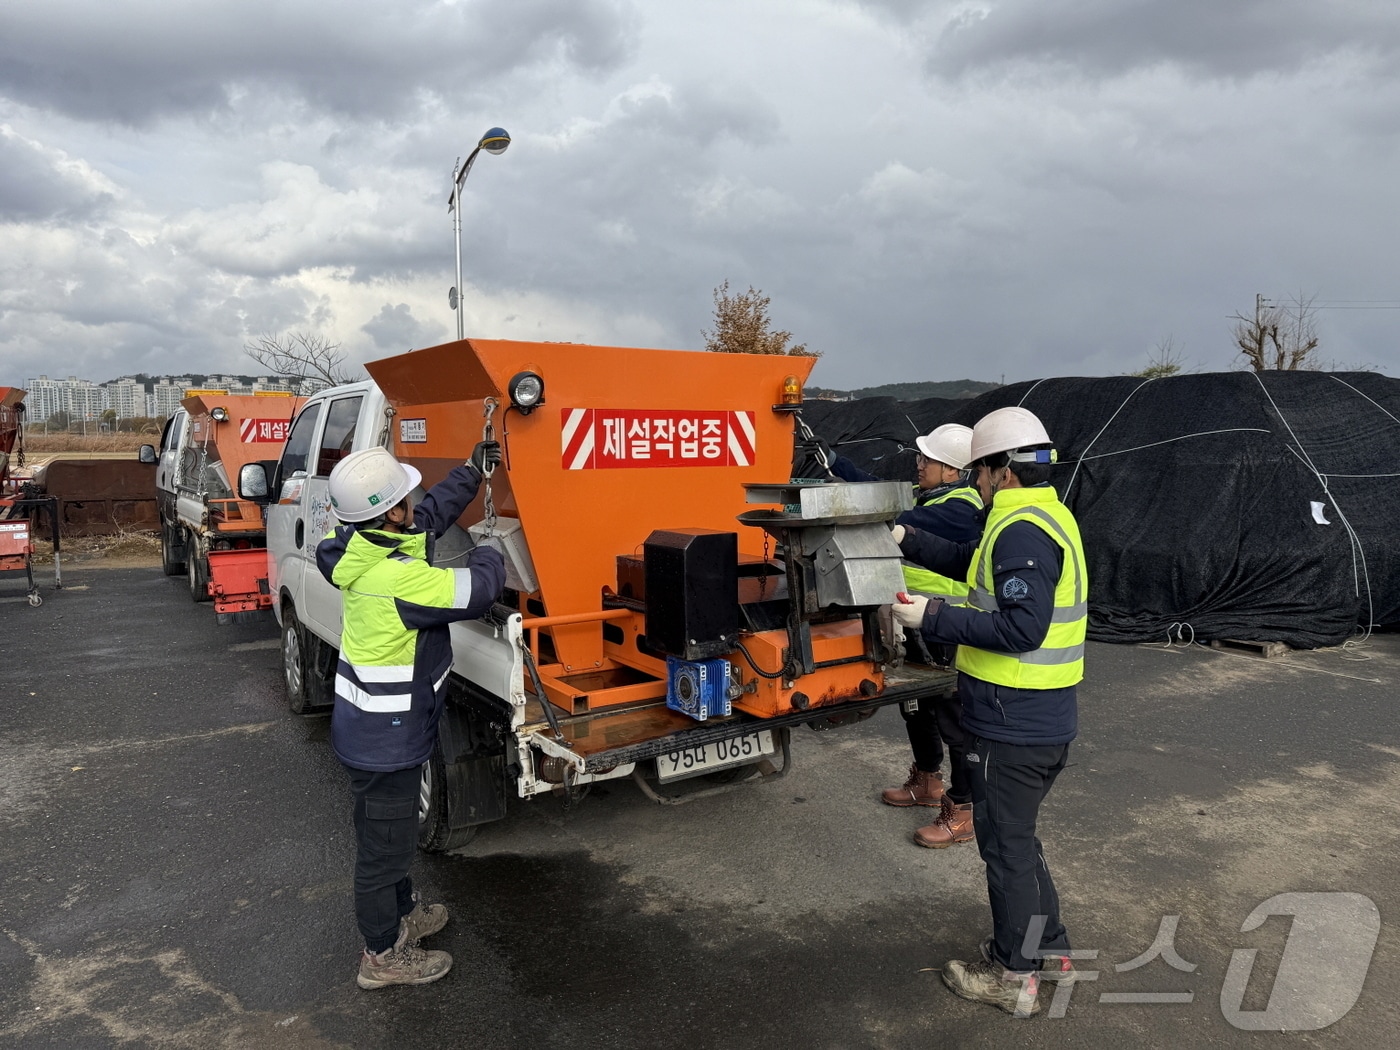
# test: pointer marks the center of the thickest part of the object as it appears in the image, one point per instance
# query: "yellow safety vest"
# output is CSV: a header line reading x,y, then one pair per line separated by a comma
x,y
1059,662
917,579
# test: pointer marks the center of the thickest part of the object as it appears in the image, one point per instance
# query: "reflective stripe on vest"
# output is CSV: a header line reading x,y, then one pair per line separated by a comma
x,y
917,579
1059,662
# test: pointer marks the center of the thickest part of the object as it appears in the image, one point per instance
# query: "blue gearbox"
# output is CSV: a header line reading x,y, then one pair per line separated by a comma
x,y
698,688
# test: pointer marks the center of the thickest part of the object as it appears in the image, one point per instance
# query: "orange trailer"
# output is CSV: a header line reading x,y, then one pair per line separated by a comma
x,y
20,504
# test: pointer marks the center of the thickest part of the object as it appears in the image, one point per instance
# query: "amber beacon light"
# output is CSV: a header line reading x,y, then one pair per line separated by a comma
x,y
792,390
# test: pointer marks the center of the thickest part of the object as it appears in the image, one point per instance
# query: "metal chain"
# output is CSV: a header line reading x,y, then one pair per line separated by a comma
x,y
763,580
488,433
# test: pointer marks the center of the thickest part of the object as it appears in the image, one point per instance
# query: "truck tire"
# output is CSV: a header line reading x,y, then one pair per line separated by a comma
x,y
294,670
434,836
170,564
197,568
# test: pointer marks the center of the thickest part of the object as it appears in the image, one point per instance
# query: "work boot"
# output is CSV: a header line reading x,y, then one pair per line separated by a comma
x,y
424,920
1052,967
404,963
921,789
953,825
991,983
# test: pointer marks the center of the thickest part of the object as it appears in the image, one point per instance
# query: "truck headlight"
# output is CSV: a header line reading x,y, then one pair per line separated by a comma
x,y
219,415
526,391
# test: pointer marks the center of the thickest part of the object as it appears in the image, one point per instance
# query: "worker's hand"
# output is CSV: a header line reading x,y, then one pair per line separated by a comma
x,y
909,611
486,456
817,449
897,534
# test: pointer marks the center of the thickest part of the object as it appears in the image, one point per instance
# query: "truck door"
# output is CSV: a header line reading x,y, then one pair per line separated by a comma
x,y
167,468
335,441
286,522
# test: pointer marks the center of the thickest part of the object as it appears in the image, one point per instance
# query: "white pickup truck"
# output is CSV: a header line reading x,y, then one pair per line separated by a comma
x,y
579,675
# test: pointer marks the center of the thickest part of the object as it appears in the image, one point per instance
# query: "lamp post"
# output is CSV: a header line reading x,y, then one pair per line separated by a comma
x,y
494,141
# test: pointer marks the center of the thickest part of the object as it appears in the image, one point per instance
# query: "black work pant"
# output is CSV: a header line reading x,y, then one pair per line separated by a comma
x,y
938,720
386,828
1009,781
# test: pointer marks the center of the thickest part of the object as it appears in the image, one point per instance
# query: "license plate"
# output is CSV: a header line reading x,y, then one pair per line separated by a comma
x,y
705,758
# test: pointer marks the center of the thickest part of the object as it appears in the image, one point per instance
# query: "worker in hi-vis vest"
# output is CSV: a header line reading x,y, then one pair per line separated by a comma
x,y
946,505
395,652
1020,640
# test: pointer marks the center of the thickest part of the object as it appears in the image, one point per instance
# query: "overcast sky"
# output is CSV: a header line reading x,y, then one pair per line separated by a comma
x,y
927,190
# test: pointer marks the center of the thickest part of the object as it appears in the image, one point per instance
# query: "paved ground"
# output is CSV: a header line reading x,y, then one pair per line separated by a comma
x,y
175,855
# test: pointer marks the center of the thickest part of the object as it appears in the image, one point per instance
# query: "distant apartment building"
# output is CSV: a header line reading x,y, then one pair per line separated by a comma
x,y
84,399
166,394
126,397
81,399
43,399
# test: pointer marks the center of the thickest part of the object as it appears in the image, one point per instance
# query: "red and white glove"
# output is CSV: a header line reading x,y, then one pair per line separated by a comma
x,y
909,612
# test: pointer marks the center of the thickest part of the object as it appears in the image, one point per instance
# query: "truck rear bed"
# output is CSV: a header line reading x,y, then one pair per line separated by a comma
x,y
611,738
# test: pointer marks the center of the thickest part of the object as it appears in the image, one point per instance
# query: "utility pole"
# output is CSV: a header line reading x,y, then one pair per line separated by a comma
x,y
1261,303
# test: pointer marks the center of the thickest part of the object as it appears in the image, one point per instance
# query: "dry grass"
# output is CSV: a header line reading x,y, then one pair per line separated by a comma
x,y
132,547
41,442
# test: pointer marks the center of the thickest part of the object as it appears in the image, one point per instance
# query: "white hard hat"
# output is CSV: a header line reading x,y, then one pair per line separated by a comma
x,y
950,444
1005,430
368,483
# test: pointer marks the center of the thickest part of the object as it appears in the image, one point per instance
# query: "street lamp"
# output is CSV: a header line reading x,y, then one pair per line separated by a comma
x,y
494,141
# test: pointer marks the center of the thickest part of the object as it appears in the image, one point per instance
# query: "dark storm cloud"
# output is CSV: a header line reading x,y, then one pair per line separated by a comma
x,y
1239,38
395,328
33,189
138,61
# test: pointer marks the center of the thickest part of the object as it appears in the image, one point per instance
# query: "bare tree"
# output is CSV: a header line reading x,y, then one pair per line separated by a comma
x,y
1164,360
1278,337
309,362
741,326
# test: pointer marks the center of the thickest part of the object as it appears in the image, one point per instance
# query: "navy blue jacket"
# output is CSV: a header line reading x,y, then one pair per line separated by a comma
x,y
956,520
1016,716
402,737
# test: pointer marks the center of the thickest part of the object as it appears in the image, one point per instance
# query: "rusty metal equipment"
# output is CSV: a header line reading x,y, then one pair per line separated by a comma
x,y
11,433
100,497
17,553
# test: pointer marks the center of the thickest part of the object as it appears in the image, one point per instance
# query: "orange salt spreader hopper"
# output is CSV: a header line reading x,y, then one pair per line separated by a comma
x,y
624,444
230,430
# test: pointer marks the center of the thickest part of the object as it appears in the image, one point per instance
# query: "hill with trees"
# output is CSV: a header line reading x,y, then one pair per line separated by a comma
x,y
951,389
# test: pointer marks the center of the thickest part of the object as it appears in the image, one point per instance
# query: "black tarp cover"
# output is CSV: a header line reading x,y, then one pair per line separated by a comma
x,y
876,433
1220,505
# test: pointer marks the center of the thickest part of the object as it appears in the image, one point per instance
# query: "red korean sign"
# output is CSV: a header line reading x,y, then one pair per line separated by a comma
x,y
264,430
608,438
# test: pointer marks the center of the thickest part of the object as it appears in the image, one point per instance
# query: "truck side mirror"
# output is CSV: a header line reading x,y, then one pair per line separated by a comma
x,y
252,483
146,454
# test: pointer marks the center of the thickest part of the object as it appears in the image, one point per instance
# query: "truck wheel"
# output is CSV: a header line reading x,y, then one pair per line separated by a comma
x,y
294,663
434,836
169,563
197,569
